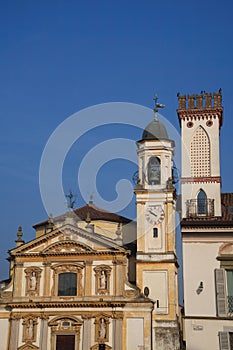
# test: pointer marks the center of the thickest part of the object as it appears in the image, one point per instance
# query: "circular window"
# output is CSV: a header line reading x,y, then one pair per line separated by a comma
x,y
209,123
190,124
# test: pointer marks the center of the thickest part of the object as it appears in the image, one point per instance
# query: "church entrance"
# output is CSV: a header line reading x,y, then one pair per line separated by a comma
x,y
65,342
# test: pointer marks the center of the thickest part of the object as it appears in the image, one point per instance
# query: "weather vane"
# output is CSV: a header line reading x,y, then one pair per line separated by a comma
x,y
71,200
157,105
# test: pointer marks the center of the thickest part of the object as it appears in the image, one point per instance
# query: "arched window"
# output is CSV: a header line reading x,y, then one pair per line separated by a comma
x,y
154,172
201,203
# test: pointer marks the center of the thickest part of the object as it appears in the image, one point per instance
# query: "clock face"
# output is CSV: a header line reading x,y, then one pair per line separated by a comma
x,y
154,214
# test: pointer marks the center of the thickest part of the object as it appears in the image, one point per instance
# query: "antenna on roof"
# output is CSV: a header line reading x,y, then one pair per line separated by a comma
x,y
71,200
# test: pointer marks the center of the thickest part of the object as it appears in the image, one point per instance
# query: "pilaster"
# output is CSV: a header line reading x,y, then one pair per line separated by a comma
x,y
14,332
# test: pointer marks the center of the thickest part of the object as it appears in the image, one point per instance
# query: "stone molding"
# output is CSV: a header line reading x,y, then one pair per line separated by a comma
x,y
63,268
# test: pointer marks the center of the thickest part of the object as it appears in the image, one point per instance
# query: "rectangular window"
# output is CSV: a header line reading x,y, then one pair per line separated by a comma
x,y
66,342
155,232
67,284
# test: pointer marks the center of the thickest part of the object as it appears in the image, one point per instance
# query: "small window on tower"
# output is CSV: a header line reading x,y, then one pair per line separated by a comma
x,y
155,232
153,169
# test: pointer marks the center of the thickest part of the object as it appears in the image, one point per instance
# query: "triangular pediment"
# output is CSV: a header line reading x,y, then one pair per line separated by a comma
x,y
67,246
28,346
68,239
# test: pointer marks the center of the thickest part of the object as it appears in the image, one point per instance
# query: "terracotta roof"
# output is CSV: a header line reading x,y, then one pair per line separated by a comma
x,y
93,212
227,206
225,220
99,214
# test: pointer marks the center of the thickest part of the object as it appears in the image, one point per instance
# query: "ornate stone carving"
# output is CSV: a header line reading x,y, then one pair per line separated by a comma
x,y
130,293
66,247
33,275
15,317
28,347
102,279
29,328
102,328
65,325
6,296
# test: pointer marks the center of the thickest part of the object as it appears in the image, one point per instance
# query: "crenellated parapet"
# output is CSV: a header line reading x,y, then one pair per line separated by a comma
x,y
200,106
202,101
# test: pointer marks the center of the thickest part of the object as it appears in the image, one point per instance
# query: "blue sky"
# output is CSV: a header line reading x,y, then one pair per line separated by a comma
x,y
58,57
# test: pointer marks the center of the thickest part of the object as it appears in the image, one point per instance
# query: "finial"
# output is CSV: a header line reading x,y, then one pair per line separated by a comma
x,y
19,240
157,106
119,233
88,218
50,222
91,199
71,200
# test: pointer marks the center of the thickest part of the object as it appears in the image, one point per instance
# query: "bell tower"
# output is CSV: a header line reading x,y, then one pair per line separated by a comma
x,y
200,120
156,262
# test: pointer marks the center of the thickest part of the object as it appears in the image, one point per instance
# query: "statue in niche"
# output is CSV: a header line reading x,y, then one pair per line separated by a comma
x,y
30,329
102,328
102,280
33,281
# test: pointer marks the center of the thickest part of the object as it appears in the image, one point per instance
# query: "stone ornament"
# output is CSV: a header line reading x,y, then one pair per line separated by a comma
x,y
102,329
29,328
33,275
102,279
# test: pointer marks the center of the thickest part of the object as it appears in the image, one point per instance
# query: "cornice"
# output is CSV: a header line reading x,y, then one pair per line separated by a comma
x,y
197,113
67,304
82,253
207,179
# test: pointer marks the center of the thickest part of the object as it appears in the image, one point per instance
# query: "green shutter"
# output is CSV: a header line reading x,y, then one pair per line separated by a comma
x,y
220,292
224,341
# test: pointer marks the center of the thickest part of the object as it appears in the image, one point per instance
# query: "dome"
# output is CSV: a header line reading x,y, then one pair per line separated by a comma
x,y
155,131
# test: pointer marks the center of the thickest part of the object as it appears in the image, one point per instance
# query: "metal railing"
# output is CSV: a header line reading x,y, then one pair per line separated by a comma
x,y
197,207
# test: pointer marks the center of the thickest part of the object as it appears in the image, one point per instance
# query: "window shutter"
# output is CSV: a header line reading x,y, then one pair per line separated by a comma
x,y
224,341
220,292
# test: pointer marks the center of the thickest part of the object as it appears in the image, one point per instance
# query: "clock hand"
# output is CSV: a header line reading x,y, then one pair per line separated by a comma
x,y
153,213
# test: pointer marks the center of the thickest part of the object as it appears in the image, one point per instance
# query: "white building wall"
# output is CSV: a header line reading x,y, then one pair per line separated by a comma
x,y
4,333
199,263
204,334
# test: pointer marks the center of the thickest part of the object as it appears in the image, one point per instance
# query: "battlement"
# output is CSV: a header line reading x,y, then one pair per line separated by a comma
x,y
203,101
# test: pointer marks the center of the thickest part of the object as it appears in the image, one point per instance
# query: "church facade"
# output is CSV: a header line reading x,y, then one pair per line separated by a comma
x,y
69,288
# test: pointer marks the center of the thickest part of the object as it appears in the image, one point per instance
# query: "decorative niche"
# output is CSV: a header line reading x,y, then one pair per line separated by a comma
x,y
102,279
33,276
